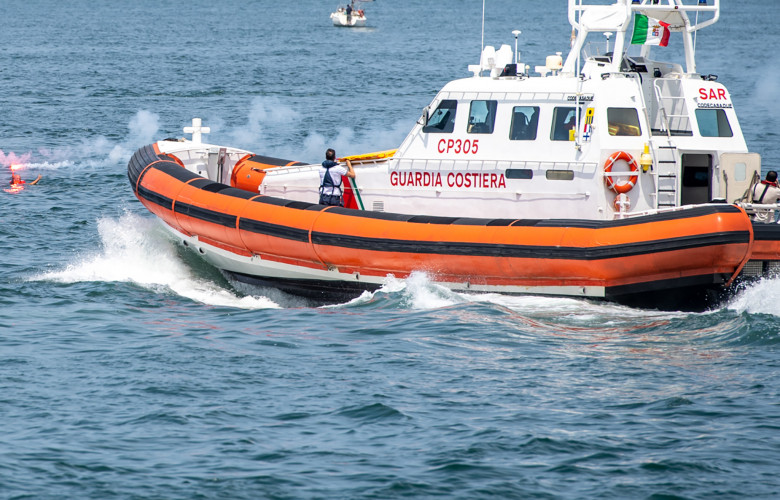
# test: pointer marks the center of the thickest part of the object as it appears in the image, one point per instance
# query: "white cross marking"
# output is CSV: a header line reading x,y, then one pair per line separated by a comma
x,y
586,135
196,130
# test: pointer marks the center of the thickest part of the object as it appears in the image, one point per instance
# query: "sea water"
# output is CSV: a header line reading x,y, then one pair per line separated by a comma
x,y
129,369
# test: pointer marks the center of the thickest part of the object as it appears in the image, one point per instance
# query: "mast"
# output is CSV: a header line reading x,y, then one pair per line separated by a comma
x,y
617,17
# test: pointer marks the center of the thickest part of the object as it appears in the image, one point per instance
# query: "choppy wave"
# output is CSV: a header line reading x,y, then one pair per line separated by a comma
x,y
762,296
131,368
134,250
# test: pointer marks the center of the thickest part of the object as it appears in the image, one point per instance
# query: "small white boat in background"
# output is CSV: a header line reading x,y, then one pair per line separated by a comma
x,y
349,17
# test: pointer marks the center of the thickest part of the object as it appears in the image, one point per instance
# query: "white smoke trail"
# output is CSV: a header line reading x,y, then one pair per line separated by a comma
x,y
143,130
11,158
264,112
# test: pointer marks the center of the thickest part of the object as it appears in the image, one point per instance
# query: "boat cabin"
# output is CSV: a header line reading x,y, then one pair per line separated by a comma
x,y
609,132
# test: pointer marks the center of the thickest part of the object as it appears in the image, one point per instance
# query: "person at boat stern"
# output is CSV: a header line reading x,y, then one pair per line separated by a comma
x,y
349,12
766,192
331,179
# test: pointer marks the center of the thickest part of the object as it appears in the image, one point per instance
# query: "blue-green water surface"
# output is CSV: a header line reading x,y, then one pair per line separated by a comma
x,y
131,370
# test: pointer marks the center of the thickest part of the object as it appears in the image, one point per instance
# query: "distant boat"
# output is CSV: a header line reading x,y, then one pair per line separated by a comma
x,y
349,16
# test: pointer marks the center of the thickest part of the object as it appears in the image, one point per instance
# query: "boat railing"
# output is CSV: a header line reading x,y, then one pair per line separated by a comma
x,y
369,162
671,104
591,17
752,208
578,8
293,169
478,165
653,211
209,161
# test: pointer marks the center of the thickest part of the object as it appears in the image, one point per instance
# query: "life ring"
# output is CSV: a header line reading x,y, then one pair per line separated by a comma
x,y
621,187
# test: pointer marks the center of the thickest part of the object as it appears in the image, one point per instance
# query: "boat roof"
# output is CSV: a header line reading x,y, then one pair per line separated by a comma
x,y
683,16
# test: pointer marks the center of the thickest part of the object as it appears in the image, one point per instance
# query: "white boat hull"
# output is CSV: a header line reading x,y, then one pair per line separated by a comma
x,y
354,21
259,271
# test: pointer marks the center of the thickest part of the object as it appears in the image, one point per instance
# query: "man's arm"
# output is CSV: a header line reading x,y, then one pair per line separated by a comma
x,y
350,170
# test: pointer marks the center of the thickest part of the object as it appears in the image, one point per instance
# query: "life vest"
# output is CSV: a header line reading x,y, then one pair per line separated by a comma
x,y
763,193
327,180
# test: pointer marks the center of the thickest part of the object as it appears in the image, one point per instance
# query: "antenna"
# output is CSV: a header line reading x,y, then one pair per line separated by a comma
x,y
516,33
483,32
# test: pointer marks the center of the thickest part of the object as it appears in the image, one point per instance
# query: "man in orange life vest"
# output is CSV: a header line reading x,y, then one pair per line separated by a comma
x,y
766,192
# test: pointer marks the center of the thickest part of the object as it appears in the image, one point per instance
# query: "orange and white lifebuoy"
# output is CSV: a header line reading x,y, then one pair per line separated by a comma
x,y
618,186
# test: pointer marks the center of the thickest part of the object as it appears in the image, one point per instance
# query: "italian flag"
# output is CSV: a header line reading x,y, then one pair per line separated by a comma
x,y
649,31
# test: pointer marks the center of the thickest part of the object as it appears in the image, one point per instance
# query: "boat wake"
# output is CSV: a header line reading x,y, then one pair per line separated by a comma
x,y
135,250
415,292
419,292
761,297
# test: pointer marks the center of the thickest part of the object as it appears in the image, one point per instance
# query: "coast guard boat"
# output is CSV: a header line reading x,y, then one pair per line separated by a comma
x,y
606,174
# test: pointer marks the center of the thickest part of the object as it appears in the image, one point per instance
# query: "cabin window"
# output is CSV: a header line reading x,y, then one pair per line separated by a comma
x,y
559,175
442,121
482,116
623,121
564,123
713,123
524,122
740,172
519,173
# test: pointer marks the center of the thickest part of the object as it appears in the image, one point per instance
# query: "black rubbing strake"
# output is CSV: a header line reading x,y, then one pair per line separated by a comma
x,y
434,247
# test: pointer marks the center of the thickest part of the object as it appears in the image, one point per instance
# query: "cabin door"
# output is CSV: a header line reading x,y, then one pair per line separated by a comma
x,y
696,179
738,171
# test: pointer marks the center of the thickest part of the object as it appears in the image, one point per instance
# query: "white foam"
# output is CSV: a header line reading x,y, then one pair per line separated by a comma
x,y
760,297
419,292
422,294
135,250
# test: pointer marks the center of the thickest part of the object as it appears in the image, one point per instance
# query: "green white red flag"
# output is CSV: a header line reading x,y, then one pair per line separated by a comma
x,y
649,31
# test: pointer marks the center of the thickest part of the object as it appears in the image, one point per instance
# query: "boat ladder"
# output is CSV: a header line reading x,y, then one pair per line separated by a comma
x,y
671,104
666,172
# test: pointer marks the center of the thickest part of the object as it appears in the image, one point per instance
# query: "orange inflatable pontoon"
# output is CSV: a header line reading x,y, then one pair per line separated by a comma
x,y
329,252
